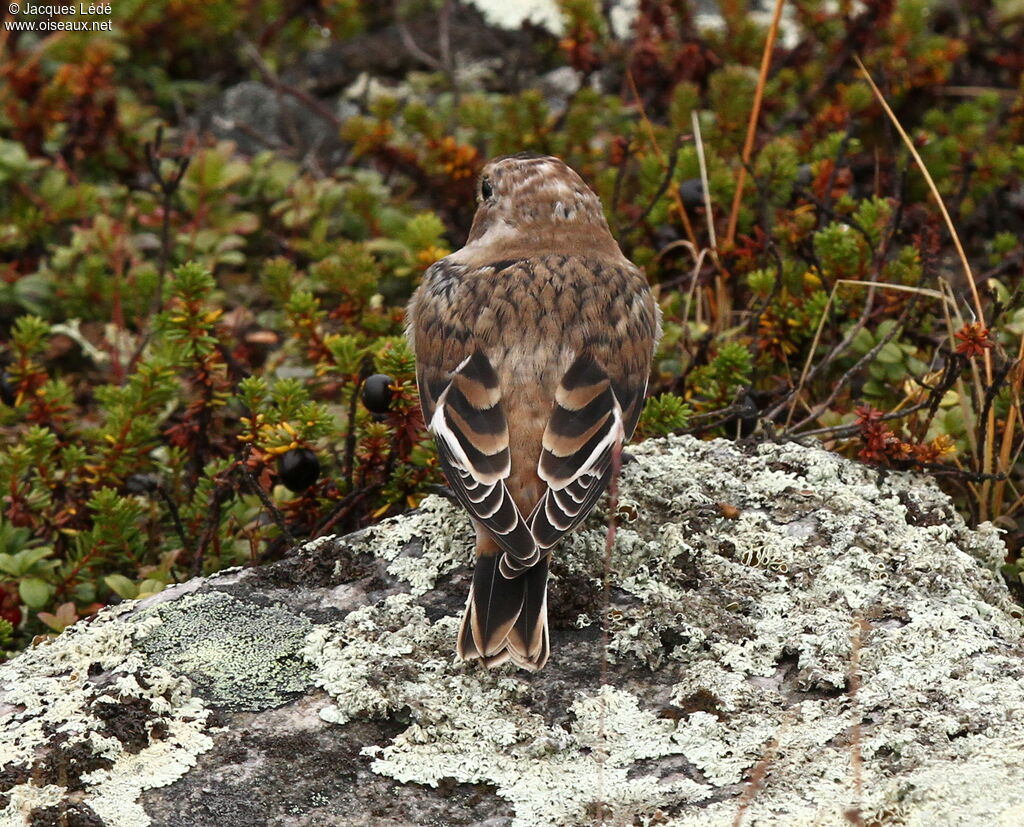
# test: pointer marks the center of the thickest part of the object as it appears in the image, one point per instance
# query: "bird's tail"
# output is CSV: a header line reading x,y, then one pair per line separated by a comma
x,y
506,618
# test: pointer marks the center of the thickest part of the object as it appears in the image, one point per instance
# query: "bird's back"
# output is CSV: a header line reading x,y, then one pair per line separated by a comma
x,y
531,318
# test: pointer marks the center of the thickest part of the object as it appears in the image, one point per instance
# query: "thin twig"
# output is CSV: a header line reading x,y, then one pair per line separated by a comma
x,y
938,470
257,489
866,359
172,507
620,174
669,172
345,506
444,35
698,260
808,376
951,370
722,415
984,457
684,217
221,491
168,186
808,372
410,44
350,437
241,126
824,204
991,391
1011,424
841,431
279,85
909,143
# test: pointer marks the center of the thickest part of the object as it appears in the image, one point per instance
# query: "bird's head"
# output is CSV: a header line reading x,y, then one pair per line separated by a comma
x,y
540,203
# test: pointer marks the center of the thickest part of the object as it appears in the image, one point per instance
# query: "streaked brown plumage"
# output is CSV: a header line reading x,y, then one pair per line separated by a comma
x,y
533,347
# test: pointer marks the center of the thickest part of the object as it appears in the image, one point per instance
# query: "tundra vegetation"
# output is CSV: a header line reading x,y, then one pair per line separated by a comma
x,y
211,218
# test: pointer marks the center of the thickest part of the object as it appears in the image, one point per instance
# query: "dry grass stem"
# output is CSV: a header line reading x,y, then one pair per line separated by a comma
x,y
757,775
909,143
986,461
755,112
704,184
649,127
854,814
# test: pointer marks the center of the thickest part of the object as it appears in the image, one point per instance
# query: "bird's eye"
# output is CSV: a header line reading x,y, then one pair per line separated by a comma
x,y
486,191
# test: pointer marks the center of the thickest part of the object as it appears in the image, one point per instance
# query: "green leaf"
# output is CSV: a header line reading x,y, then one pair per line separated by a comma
x,y
873,388
24,561
35,593
891,354
863,341
147,587
121,586
30,556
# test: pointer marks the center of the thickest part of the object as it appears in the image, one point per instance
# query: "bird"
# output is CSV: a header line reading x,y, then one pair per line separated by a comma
x,y
533,346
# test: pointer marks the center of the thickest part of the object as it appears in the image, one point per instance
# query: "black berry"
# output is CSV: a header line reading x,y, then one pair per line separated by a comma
x,y
691,193
298,468
377,393
8,390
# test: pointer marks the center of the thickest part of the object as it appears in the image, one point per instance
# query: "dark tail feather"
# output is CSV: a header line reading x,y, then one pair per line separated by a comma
x,y
506,618
528,642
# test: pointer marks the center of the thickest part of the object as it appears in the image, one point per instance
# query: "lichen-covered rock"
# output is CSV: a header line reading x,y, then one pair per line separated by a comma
x,y
780,614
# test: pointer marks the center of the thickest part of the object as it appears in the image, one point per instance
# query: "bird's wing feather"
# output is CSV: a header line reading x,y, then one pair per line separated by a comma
x,y
586,427
473,445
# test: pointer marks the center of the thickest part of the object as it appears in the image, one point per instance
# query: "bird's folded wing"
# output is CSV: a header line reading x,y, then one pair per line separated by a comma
x,y
472,439
585,428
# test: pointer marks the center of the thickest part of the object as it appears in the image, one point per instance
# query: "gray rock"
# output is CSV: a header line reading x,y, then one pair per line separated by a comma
x,y
513,57
558,86
778,613
258,118
547,14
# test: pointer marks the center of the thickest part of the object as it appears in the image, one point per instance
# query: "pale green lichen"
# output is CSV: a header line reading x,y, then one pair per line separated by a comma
x,y
48,703
241,655
445,543
741,584
362,659
763,610
551,776
470,725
